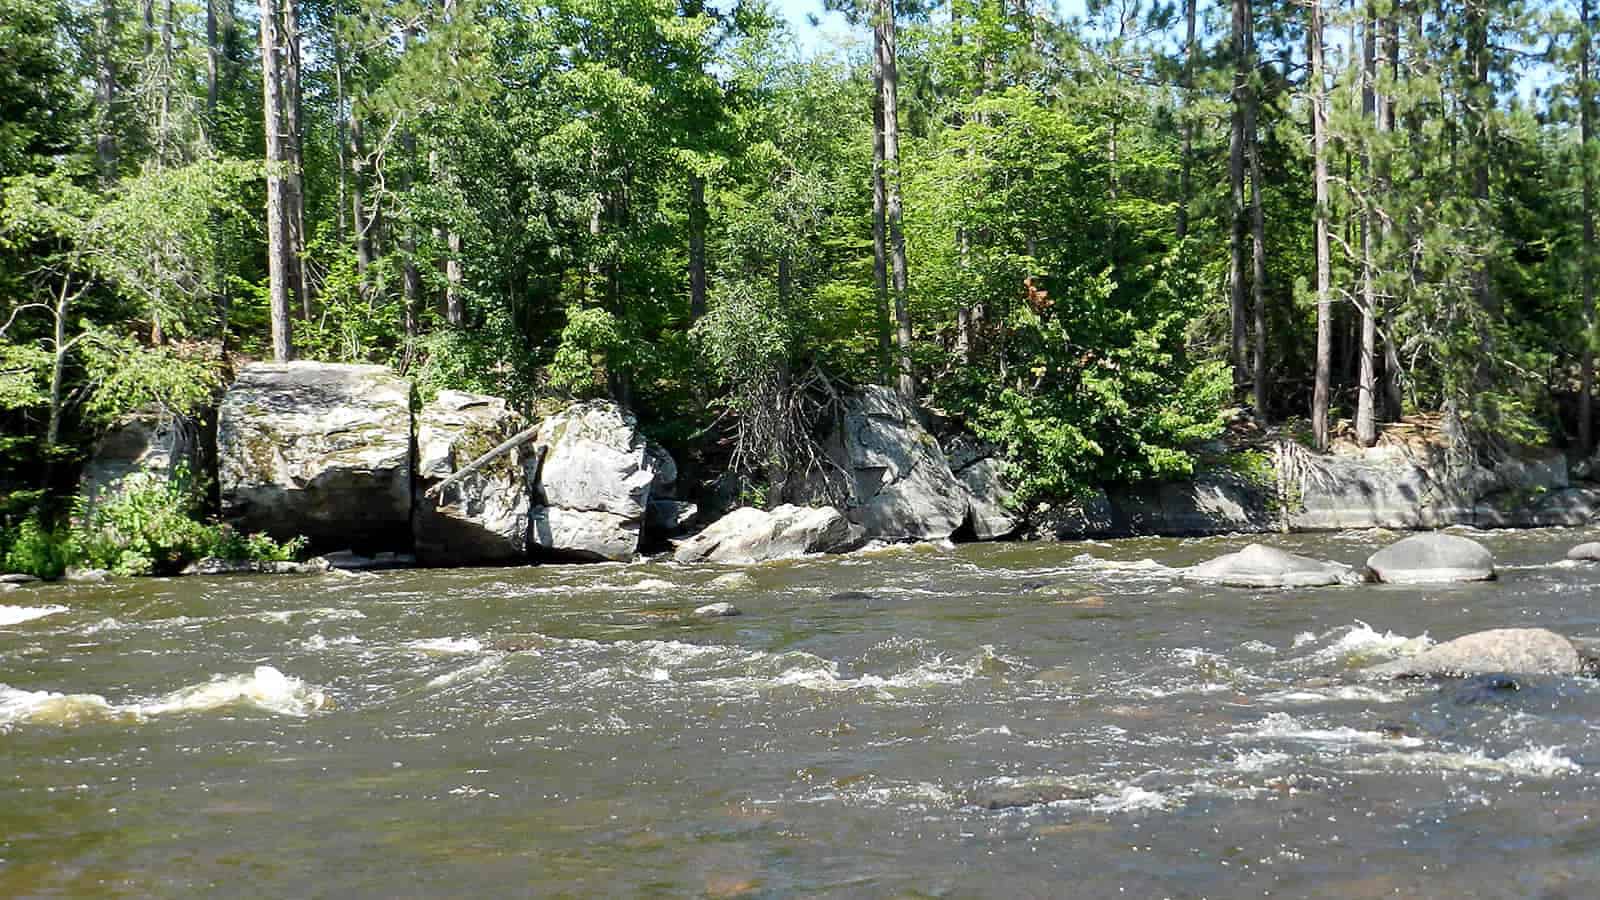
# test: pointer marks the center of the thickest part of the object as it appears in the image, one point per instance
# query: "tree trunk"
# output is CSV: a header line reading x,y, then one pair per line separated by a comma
x,y
1367,386
880,231
906,381
164,142
58,368
1394,403
213,68
1186,162
341,138
1586,101
1479,99
697,246
106,94
1319,144
1258,250
278,249
1238,309
295,208
360,223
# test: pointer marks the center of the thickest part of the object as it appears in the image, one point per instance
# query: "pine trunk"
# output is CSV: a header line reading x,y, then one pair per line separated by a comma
x,y
1367,386
906,381
106,93
1238,306
1186,162
278,250
697,246
1586,101
880,231
1319,144
295,208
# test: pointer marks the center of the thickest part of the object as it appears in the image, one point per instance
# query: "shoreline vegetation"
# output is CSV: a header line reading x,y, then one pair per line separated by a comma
x,y
983,271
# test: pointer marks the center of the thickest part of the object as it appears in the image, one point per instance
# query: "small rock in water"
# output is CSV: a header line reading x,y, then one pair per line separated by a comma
x,y
18,578
1260,566
87,576
1527,651
1589,552
1393,731
851,597
1485,688
1014,796
8,586
716,610
1432,558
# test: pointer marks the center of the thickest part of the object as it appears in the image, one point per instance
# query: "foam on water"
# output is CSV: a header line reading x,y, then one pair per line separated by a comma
x,y
266,689
1361,643
1283,726
445,645
1543,762
16,615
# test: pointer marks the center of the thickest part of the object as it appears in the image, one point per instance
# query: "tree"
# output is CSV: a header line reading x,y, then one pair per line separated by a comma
x,y
1319,139
280,230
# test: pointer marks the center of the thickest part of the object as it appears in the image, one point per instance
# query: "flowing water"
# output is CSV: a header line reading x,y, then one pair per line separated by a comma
x,y
569,730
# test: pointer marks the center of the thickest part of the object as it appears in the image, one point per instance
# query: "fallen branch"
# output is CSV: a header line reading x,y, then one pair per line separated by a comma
x,y
511,443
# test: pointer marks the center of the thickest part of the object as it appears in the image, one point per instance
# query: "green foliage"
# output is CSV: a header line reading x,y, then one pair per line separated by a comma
x,y
33,549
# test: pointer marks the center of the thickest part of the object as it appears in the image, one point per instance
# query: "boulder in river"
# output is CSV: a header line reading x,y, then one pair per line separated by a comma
x,y
1432,558
320,450
1260,566
715,610
749,535
900,487
1036,793
1588,552
1521,651
981,470
151,443
593,487
482,517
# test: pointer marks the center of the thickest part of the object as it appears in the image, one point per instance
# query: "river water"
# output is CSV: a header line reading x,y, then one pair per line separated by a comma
x,y
568,730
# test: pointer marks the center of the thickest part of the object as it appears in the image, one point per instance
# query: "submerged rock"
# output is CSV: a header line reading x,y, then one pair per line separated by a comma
x,y
214,565
1013,796
593,486
350,561
750,535
1589,552
1522,651
716,610
1260,566
1431,559
483,517
320,450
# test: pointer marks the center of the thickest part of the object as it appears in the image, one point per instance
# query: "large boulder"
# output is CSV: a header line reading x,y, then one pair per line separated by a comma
x,y
981,470
1260,566
594,484
482,518
320,450
151,443
749,535
1586,552
1523,651
899,486
1431,559
1383,487
1217,501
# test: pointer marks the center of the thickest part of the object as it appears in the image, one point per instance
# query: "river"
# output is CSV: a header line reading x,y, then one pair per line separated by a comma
x,y
568,730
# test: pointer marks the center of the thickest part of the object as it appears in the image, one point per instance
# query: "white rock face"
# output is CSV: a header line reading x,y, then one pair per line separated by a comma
x,y
483,518
1260,566
593,487
749,535
1432,558
320,450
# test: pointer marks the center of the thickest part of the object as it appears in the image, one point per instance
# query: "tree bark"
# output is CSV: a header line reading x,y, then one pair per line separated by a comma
x,y
906,382
1586,100
1238,309
278,247
106,94
410,275
1366,389
293,144
1258,249
1186,161
1319,143
1394,402
697,246
880,230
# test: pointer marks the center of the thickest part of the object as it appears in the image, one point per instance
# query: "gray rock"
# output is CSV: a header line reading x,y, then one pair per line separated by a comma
x,y
1214,502
1571,507
18,578
213,565
900,488
716,610
1589,552
1091,516
86,576
1260,566
350,561
1014,796
981,471
319,450
749,535
482,518
1530,651
594,486
1432,558
669,517
151,443
664,486
8,586
1383,487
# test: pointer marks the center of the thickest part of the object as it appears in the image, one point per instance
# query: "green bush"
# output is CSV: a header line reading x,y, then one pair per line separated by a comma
x,y
33,549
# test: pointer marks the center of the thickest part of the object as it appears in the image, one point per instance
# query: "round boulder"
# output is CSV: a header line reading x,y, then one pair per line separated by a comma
x,y
1432,558
1260,566
1589,552
715,611
1517,651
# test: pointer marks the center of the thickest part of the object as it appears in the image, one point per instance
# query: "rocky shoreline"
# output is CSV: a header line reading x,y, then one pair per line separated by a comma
x,y
345,456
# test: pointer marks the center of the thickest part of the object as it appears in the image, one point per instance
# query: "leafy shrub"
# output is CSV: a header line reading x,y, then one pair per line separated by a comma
x,y
33,549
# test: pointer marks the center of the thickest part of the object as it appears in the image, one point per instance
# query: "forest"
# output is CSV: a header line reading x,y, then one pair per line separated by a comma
x,y
1094,236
